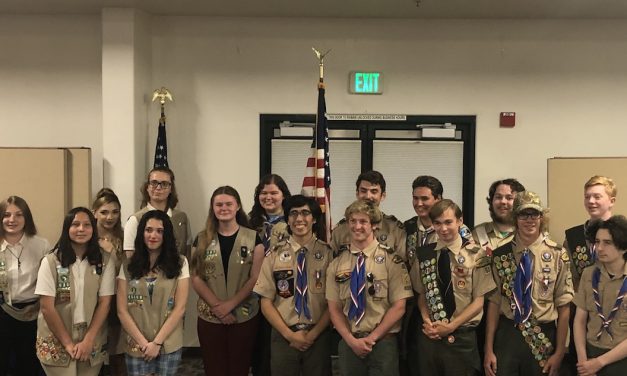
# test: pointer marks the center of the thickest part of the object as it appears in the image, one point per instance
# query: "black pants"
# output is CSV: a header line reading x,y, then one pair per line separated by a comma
x,y
513,355
614,369
17,343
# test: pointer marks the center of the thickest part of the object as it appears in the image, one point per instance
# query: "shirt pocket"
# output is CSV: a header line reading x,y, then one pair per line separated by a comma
x,y
378,289
544,285
284,282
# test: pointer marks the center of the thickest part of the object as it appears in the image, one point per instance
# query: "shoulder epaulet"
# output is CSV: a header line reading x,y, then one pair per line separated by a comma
x,y
397,259
551,243
483,261
392,218
386,248
279,245
472,247
342,221
410,221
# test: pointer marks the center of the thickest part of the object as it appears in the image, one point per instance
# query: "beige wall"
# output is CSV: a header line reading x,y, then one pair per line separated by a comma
x,y
565,80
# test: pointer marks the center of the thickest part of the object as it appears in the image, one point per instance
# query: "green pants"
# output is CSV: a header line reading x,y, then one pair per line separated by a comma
x,y
382,360
443,358
287,361
513,355
615,369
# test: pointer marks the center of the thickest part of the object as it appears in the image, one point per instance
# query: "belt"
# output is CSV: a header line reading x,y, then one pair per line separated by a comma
x,y
299,327
24,304
366,334
543,325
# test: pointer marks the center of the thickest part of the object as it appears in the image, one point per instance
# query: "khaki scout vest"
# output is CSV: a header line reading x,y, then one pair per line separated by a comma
x,y
150,311
211,270
28,313
179,223
49,349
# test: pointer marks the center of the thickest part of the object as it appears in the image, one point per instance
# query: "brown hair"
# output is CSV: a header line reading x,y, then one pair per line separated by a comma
x,y
173,197
29,223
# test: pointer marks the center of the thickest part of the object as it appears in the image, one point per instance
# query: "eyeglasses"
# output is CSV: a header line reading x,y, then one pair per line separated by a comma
x,y
295,213
529,215
161,184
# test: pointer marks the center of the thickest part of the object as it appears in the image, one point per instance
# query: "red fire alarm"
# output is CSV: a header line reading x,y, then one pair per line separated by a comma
x,y
508,119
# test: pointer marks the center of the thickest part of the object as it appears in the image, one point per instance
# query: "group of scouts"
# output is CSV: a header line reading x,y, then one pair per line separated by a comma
x,y
424,297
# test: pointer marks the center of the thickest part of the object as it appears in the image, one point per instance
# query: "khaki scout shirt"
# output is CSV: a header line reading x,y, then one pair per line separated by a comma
x,y
280,266
494,239
550,263
390,232
391,283
608,291
470,275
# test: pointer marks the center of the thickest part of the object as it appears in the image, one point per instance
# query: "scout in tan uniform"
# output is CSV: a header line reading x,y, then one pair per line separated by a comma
x,y
599,198
534,288
152,293
601,318
21,251
371,187
159,193
292,285
366,291
227,259
106,208
498,232
451,278
267,218
75,284
426,192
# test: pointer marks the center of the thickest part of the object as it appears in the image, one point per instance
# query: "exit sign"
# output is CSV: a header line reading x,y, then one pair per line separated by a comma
x,y
366,82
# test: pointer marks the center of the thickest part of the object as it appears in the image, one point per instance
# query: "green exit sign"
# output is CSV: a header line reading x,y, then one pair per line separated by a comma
x,y
366,82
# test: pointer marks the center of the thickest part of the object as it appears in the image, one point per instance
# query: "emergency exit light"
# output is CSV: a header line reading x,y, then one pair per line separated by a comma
x,y
366,82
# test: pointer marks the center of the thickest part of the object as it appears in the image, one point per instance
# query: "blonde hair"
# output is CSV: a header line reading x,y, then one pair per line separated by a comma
x,y
608,183
365,207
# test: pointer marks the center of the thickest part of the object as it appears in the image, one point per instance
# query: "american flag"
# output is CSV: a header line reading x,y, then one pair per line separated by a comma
x,y
317,180
161,150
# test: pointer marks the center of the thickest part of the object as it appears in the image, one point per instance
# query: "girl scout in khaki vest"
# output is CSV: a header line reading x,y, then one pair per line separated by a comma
x,y
159,193
152,293
227,257
21,252
292,285
600,326
106,208
267,218
75,284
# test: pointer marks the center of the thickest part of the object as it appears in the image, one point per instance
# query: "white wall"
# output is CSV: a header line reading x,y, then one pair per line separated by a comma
x,y
50,84
565,80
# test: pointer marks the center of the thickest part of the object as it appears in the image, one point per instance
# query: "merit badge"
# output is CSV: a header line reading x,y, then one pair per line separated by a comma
x,y
546,256
243,254
461,259
451,339
379,259
285,256
210,268
318,255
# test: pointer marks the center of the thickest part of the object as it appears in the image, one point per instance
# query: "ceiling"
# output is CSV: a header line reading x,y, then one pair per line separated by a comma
x,y
494,9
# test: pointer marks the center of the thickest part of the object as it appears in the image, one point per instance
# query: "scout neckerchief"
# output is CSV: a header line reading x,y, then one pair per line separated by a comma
x,y
539,344
425,236
596,276
522,288
268,224
300,300
444,278
357,307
